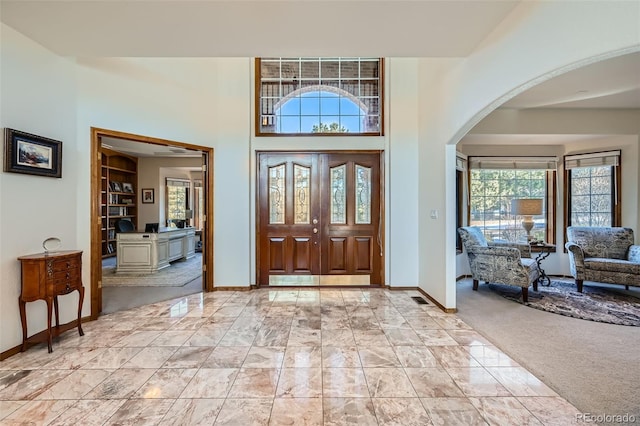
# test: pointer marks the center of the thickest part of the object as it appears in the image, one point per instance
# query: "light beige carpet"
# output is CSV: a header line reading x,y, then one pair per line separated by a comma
x,y
177,274
591,364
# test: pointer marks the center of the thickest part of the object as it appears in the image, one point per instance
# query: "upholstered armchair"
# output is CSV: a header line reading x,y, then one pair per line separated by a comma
x,y
603,254
499,262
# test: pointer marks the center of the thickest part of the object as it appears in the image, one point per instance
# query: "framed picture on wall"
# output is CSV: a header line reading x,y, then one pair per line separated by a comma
x,y
32,154
147,196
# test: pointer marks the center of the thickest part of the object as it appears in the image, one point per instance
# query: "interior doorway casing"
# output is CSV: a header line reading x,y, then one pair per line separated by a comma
x,y
96,223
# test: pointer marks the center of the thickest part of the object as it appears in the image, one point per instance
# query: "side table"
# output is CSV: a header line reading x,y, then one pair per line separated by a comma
x,y
45,276
545,251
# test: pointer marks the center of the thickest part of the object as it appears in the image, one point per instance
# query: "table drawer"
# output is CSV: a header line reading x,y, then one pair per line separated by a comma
x,y
64,287
64,265
71,274
65,281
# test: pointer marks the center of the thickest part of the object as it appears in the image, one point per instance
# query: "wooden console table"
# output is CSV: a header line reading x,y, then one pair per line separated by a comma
x,y
45,276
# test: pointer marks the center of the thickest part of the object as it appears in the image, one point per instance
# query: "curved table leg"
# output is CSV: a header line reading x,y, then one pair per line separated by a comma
x,y
80,299
23,320
543,275
49,334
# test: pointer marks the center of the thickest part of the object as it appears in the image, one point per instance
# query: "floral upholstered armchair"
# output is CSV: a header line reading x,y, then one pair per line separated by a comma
x,y
499,262
603,254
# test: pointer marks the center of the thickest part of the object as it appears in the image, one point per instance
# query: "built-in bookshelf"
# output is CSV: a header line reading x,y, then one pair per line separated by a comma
x,y
118,198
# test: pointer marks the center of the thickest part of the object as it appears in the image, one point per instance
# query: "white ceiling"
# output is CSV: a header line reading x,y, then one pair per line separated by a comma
x,y
239,28
257,28
613,83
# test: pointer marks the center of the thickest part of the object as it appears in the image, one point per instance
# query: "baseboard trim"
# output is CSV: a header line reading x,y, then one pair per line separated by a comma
x,y
42,335
438,304
234,288
425,294
401,288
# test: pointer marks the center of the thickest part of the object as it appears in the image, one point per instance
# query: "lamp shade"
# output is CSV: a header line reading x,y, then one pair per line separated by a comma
x,y
526,206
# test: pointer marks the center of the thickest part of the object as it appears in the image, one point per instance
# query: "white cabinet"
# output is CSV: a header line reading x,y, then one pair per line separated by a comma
x,y
148,252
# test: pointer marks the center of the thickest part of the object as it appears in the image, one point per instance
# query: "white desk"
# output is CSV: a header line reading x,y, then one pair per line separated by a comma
x,y
148,252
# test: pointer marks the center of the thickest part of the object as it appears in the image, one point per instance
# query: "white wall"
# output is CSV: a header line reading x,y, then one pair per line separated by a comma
x,y
38,96
403,193
435,235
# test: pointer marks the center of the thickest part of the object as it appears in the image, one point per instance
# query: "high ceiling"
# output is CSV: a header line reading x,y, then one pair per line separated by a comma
x,y
257,28
239,28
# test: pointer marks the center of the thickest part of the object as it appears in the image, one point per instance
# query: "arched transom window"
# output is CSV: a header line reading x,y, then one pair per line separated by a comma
x,y
319,96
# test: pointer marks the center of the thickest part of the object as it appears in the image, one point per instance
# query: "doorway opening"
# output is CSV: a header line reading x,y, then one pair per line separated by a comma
x,y
124,194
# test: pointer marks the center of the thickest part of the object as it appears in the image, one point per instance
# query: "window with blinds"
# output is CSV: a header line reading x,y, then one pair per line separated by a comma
x,y
319,96
496,181
593,189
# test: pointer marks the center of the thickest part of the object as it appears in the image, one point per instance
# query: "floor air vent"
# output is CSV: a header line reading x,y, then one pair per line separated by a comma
x,y
419,300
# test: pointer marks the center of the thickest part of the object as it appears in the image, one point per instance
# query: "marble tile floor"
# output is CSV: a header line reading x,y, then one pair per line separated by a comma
x,y
276,357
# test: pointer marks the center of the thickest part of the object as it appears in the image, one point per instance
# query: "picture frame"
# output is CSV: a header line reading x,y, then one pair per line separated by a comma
x,y
115,186
127,187
148,196
32,154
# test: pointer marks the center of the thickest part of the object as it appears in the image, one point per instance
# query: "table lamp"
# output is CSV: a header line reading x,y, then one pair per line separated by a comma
x,y
527,208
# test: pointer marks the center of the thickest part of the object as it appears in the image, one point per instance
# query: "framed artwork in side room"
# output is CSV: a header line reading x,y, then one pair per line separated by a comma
x,y
147,196
31,154
127,187
115,186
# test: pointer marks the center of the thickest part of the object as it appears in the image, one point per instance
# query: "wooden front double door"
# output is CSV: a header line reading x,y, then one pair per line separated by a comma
x,y
320,219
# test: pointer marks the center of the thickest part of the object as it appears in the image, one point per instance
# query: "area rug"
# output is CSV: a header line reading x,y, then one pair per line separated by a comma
x,y
601,304
178,274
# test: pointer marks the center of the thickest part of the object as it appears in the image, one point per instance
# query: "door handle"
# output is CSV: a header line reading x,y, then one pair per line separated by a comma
x,y
315,221
315,230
